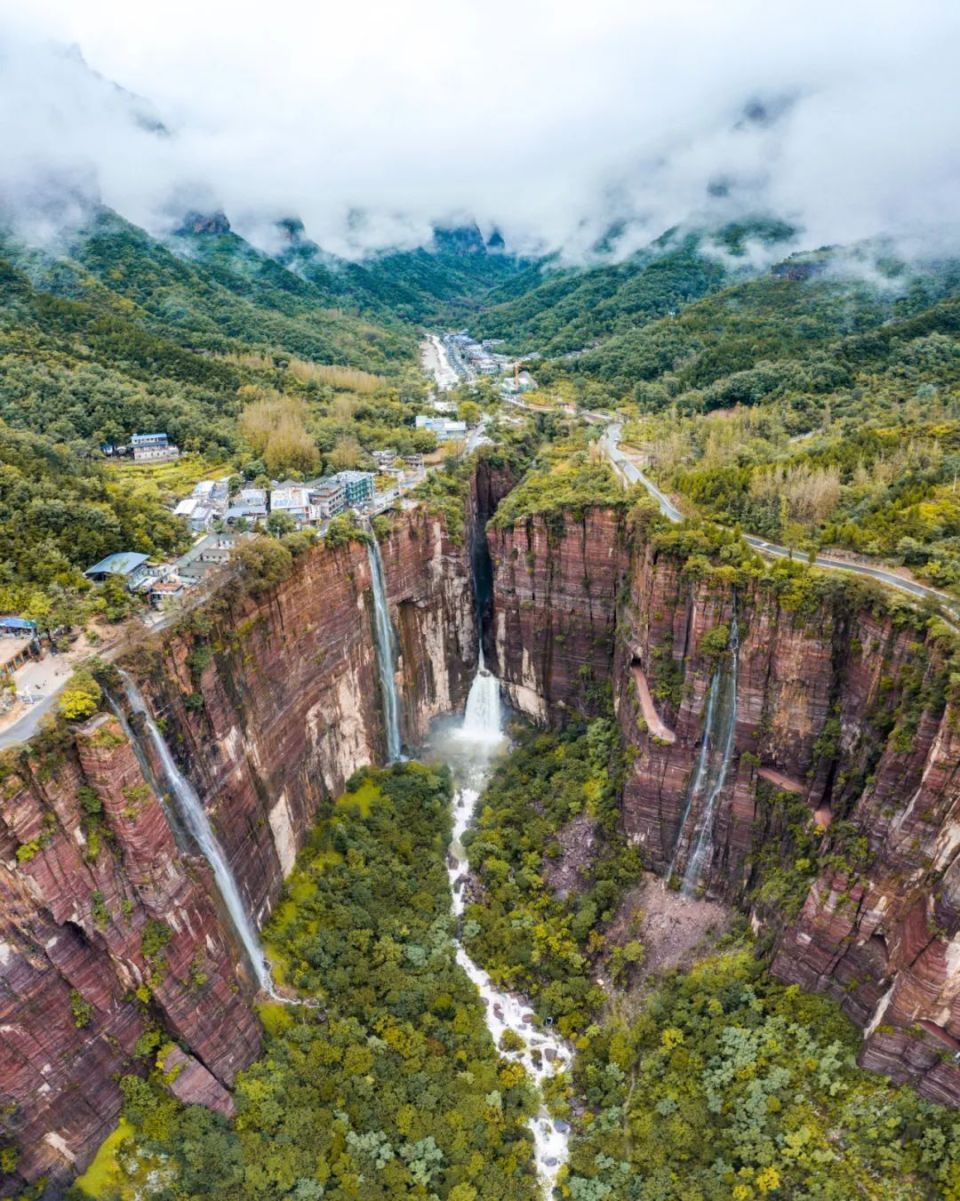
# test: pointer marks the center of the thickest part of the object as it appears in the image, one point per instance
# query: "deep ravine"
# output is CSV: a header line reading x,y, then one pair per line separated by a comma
x,y
471,753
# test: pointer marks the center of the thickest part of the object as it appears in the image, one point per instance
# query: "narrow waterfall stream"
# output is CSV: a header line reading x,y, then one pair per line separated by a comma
x,y
386,650
543,1052
716,752
194,817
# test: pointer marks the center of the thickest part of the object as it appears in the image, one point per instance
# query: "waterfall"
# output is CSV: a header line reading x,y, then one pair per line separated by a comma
x,y
386,650
194,817
716,751
481,721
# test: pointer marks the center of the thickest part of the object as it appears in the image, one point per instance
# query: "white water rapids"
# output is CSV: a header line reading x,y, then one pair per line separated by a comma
x,y
543,1052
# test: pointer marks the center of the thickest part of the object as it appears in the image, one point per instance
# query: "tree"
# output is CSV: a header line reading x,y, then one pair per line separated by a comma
x,y
280,523
469,411
347,454
81,696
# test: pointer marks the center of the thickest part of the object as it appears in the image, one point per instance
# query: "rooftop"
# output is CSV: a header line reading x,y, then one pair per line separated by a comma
x,y
123,562
17,623
10,648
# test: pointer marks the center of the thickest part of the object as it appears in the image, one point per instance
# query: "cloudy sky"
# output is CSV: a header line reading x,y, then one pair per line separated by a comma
x,y
549,119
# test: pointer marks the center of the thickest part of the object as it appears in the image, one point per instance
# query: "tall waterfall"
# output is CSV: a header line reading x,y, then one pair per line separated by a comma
x,y
386,651
716,751
194,818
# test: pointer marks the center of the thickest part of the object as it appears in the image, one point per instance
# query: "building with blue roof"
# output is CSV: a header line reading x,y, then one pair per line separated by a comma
x,y
127,564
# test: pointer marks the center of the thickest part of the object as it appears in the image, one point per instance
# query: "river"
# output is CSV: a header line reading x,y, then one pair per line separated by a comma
x,y
471,752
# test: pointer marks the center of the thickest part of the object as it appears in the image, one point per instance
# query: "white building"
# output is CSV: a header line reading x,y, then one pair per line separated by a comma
x,y
153,447
198,514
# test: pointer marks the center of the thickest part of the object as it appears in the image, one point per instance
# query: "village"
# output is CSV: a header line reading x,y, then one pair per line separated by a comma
x,y
219,513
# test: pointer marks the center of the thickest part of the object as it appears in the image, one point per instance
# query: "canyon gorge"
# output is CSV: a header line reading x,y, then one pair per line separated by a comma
x,y
843,732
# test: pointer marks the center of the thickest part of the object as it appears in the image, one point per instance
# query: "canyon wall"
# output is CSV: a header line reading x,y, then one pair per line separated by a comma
x,y
554,608
844,740
107,934
837,828
272,702
111,937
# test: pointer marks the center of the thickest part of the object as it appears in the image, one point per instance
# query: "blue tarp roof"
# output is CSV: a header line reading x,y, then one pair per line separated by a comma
x,y
17,623
122,563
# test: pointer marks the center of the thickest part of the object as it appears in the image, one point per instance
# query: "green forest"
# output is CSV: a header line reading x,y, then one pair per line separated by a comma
x,y
393,1088
813,402
712,1084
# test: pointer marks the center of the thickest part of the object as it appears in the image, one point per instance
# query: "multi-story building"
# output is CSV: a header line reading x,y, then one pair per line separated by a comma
x,y
153,447
328,497
357,486
292,500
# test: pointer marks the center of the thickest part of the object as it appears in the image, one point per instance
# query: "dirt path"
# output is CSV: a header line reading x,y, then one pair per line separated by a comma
x,y
647,707
787,783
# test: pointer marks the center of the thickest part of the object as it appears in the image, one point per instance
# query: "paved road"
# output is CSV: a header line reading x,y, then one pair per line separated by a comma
x,y
26,726
629,471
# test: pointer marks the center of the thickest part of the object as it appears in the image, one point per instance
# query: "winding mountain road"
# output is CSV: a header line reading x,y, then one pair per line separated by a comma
x,y
610,443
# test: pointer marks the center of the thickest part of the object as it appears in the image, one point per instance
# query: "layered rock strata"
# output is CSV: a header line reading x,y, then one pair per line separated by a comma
x,y
111,936
841,701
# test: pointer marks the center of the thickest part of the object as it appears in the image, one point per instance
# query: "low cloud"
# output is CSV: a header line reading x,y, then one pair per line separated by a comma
x,y
552,122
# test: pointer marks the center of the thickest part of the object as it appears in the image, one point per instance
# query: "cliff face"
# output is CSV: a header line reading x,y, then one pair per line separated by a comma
x,y
108,931
554,605
274,702
839,705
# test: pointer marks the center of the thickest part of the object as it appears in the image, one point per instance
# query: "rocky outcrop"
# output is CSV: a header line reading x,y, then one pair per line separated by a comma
x,y
841,701
111,938
107,933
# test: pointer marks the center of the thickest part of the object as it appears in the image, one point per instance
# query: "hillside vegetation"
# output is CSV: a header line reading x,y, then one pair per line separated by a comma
x,y
814,402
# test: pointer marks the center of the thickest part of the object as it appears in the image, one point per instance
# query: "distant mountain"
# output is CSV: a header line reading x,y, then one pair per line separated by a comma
x,y
445,280
558,310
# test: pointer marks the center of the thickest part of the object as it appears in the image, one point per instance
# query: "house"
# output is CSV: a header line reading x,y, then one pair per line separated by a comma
x,y
17,627
153,447
18,644
414,462
384,458
126,564
198,515
293,500
328,497
249,504
357,486
165,593
206,555
445,429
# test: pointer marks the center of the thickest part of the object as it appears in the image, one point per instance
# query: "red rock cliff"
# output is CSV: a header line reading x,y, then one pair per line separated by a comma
x,y
106,932
840,704
270,703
